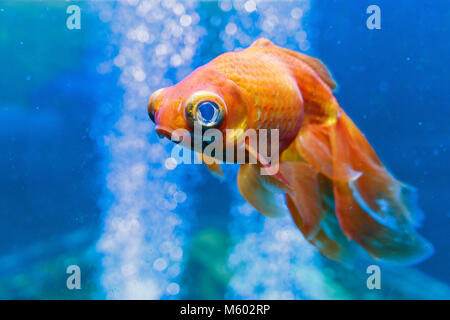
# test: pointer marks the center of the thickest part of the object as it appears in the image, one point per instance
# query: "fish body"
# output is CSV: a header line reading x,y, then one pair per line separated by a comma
x,y
336,189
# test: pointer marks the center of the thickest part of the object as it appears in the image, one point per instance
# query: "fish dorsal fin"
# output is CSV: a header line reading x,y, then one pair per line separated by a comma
x,y
262,42
318,66
314,63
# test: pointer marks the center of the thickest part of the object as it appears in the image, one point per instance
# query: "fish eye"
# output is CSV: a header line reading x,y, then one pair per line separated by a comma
x,y
206,109
208,113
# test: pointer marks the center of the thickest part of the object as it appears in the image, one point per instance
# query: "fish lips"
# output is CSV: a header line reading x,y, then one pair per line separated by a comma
x,y
164,132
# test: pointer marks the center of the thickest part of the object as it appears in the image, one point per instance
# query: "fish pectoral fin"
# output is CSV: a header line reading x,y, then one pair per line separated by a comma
x,y
213,165
264,193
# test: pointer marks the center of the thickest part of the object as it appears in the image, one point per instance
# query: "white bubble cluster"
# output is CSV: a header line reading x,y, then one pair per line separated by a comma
x,y
143,237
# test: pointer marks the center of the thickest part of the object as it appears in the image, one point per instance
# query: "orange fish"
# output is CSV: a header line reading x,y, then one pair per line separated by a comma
x,y
337,190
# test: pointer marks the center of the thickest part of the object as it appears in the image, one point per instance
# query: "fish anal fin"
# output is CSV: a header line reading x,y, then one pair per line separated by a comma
x,y
306,198
262,192
327,246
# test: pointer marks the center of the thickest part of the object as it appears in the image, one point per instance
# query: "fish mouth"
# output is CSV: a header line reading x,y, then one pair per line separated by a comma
x,y
187,140
164,132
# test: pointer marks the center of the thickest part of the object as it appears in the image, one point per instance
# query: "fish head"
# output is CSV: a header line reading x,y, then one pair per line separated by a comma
x,y
206,99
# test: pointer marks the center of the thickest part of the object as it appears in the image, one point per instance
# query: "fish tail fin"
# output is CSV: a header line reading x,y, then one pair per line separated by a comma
x,y
372,208
376,210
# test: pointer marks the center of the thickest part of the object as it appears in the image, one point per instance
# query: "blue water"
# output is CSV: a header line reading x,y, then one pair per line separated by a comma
x,y
85,179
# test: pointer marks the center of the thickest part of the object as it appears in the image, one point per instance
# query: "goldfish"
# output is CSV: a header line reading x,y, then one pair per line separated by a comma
x,y
330,179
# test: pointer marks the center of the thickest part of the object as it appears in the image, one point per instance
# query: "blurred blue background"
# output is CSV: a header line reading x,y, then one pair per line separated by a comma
x,y
84,178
